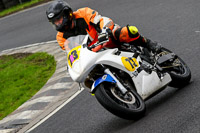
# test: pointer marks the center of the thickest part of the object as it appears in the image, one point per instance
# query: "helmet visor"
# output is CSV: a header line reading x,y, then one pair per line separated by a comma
x,y
58,21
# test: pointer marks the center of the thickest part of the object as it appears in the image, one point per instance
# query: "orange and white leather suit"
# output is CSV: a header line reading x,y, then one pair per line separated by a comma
x,y
88,21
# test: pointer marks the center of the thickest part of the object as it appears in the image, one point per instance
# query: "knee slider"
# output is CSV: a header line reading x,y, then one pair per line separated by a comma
x,y
133,30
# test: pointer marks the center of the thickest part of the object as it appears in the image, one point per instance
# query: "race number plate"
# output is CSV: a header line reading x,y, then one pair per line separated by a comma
x,y
73,55
130,63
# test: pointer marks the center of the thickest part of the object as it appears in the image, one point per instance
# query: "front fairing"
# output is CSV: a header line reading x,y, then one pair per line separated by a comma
x,y
81,60
73,47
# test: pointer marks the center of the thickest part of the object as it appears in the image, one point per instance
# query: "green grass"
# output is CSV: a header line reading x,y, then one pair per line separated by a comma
x,y
21,76
20,7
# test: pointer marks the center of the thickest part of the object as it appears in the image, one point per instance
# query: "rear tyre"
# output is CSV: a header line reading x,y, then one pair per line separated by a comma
x,y
180,74
131,106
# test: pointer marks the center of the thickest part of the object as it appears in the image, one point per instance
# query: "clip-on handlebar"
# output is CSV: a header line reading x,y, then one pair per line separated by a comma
x,y
103,38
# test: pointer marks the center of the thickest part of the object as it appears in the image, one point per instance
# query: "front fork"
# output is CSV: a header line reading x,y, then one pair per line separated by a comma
x,y
121,87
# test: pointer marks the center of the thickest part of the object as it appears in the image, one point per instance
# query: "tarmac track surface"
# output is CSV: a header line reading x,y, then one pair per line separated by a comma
x,y
173,23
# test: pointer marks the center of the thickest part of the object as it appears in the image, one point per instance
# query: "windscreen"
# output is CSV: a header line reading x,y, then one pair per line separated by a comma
x,y
73,42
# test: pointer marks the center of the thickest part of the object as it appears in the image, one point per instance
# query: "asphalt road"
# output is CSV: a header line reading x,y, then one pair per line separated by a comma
x,y
25,28
173,23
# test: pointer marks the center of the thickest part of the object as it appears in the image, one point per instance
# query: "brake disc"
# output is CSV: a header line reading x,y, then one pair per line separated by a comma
x,y
128,98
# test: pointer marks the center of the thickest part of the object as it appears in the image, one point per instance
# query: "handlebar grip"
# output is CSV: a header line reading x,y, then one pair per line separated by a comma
x,y
91,47
97,44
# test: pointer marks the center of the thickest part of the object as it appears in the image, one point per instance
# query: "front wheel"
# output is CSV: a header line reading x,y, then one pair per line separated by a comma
x,y
130,106
179,71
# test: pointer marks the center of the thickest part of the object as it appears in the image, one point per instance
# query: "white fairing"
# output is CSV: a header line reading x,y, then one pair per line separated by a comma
x,y
88,59
145,83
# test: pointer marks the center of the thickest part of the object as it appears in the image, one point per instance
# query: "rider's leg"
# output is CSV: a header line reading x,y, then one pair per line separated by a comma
x,y
130,34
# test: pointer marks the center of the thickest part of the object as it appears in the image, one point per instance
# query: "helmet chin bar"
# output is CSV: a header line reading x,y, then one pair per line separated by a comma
x,y
62,27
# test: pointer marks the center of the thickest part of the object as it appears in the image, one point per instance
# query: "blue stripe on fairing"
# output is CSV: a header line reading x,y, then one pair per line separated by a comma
x,y
105,77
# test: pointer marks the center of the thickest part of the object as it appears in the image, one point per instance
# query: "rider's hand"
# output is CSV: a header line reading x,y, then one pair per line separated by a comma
x,y
97,48
105,33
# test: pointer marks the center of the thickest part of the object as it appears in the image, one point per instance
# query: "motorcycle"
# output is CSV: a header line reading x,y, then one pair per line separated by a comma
x,y
123,79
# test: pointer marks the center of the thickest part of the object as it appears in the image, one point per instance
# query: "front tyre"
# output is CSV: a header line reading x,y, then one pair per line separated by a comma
x,y
130,106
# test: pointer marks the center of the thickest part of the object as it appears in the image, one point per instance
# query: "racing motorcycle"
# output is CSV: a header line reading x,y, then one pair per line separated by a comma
x,y
123,79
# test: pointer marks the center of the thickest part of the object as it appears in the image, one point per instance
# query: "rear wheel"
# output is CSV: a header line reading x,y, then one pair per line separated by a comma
x,y
179,71
130,106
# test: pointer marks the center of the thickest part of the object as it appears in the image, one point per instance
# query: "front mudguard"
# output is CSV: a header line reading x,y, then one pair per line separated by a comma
x,y
104,78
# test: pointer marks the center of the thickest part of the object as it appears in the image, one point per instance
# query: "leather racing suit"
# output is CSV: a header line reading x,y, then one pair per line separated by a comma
x,y
88,21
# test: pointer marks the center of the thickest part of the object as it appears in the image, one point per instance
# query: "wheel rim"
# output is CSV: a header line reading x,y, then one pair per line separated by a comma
x,y
128,98
177,66
130,102
179,69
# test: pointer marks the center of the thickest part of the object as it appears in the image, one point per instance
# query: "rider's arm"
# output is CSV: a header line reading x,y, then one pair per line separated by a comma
x,y
100,24
61,41
95,19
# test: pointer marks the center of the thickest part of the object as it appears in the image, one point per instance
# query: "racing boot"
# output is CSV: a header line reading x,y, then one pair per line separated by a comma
x,y
153,46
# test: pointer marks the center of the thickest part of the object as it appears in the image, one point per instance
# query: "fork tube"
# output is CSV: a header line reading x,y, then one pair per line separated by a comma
x,y
121,87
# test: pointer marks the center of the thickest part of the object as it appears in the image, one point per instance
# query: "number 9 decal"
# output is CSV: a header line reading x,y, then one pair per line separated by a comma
x,y
130,63
73,55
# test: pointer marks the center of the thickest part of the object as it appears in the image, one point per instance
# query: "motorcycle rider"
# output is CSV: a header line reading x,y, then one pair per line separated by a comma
x,y
88,21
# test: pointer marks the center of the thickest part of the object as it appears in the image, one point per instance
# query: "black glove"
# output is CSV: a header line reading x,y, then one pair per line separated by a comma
x,y
103,37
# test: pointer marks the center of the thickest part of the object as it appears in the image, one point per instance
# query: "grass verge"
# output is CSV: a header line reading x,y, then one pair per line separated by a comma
x,y
22,6
21,76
